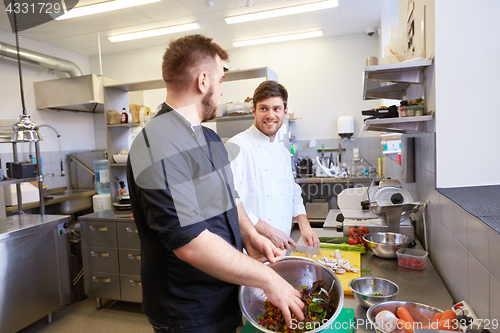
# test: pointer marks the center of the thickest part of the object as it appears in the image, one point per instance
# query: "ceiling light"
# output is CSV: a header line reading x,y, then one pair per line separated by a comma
x,y
102,7
278,39
282,11
154,32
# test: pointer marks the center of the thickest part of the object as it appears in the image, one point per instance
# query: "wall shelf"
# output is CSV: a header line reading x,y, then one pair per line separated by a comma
x,y
393,80
399,125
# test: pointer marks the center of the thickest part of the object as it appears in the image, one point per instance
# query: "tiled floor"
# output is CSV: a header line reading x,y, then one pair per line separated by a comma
x,y
83,317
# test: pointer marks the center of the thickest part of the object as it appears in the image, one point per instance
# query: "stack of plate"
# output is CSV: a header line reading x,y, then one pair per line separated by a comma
x,y
123,202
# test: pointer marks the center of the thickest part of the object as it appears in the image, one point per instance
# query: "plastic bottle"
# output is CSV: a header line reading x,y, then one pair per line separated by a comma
x,y
101,176
124,116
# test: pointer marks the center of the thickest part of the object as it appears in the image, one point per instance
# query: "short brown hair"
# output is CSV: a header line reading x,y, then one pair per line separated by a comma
x,y
270,89
186,54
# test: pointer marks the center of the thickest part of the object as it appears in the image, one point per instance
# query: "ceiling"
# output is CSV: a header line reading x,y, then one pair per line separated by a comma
x,y
81,34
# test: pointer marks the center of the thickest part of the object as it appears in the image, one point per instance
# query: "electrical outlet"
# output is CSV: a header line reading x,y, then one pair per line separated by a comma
x,y
355,154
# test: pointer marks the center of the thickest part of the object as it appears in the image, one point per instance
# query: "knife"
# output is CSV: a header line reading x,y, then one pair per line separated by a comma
x,y
306,249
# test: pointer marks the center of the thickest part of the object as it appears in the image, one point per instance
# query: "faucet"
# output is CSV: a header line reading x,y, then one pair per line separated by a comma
x,y
59,139
372,168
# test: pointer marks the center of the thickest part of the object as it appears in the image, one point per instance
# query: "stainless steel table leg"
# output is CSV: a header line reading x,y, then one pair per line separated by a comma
x,y
49,318
98,302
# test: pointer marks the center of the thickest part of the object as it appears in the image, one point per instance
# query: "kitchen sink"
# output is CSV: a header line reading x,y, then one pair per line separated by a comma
x,y
66,202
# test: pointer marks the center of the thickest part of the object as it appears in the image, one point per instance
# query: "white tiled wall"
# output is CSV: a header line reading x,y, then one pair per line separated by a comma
x,y
464,250
467,257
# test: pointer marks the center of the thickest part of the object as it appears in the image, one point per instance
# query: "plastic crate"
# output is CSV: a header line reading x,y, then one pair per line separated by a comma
x,y
412,258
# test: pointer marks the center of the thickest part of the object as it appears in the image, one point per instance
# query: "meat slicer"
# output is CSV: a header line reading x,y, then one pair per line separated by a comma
x,y
385,207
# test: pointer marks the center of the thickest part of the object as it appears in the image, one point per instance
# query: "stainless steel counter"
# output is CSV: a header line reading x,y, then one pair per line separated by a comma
x,y
420,286
324,180
34,269
109,215
16,225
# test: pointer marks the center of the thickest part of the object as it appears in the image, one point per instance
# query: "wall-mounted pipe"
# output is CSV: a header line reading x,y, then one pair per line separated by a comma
x,y
40,59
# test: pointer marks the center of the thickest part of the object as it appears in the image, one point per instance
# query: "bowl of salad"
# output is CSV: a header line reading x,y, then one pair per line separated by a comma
x,y
322,295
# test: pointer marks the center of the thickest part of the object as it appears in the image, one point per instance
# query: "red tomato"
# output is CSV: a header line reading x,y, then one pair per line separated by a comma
x,y
353,241
353,232
363,230
402,262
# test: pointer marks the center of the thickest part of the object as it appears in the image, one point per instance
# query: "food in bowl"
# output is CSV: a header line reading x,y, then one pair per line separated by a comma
x,y
299,272
421,314
368,291
317,307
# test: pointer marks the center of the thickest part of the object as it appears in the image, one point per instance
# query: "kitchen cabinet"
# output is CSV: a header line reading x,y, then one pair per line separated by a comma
x,y
392,81
118,136
111,257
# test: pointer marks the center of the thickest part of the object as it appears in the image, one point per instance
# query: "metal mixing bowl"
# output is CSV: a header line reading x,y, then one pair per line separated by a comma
x,y
299,272
385,244
422,313
363,289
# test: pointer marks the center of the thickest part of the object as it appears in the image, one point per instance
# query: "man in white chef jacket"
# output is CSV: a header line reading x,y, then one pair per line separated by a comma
x,y
263,174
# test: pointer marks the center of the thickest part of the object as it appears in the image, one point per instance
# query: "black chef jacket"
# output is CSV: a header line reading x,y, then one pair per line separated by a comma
x,y
170,210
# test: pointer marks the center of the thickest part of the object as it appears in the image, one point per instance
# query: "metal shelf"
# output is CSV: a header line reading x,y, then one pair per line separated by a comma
x,y
399,125
124,125
118,164
393,80
18,181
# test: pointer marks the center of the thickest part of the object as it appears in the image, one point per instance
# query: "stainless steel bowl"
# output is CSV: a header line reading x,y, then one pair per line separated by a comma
x,y
364,288
422,313
385,244
299,272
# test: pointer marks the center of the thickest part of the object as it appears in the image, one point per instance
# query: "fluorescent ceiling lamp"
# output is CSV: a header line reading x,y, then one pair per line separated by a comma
x,y
278,39
102,7
154,32
282,11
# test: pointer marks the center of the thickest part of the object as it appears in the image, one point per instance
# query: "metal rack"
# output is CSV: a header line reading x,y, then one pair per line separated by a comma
x,y
18,182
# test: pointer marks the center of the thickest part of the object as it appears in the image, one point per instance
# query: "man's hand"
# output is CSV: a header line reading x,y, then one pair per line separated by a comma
x,y
286,298
262,249
308,235
278,237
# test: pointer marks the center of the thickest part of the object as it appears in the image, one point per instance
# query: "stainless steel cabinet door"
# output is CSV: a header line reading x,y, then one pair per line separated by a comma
x,y
100,259
105,285
131,287
130,261
128,238
96,233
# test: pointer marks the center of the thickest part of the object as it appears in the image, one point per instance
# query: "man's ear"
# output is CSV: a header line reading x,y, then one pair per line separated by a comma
x,y
203,82
286,110
253,109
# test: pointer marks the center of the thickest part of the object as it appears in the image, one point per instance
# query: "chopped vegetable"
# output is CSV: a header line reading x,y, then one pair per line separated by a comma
x,y
378,294
318,307
344,247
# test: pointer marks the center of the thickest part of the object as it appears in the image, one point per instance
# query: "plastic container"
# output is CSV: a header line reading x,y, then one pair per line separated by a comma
x,y
412,258
101,176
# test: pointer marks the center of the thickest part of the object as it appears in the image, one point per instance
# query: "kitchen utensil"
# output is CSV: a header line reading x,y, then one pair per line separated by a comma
x,y
365,288
306,249
420,312
299,272
353,257
385,244
120,158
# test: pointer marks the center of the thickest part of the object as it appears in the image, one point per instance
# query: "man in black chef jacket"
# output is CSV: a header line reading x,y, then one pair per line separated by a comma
x,y
191,224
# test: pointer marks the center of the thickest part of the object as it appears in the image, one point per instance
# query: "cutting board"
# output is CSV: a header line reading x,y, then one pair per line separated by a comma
x,y
344,323
353,257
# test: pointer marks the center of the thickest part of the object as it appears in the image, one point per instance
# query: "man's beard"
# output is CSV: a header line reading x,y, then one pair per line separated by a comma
x,y
209,110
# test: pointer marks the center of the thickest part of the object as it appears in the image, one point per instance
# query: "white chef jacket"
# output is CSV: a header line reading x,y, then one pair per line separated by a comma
x,y
264,180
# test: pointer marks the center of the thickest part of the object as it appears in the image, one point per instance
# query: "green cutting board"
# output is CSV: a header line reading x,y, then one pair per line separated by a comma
x,y
342,324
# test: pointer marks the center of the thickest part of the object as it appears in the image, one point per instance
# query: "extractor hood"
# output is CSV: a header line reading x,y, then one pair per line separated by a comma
x,y
80,93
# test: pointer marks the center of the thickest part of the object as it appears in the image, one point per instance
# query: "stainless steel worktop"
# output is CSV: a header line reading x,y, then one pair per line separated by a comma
x,y
111,215
25,223
419,286
323,180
